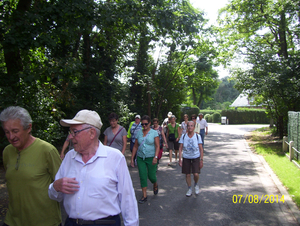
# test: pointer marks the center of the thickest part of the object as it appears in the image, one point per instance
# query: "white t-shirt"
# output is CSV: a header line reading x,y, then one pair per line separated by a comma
x,y
190,148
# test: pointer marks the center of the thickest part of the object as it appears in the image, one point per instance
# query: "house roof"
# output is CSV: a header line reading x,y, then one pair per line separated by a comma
x,y
242,101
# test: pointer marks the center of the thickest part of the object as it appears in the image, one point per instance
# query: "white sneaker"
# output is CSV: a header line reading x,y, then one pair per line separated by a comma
x,y
197,190
189,192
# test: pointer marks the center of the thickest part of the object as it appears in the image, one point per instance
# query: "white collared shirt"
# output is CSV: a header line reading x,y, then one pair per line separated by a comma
x,y
105,186
202,122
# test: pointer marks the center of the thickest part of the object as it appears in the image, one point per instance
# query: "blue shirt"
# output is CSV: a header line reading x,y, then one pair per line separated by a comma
x,y
147,149
134,130
190,149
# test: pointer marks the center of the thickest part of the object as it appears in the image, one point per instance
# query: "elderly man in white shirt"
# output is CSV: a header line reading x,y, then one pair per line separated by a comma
x,y
93,180
203,127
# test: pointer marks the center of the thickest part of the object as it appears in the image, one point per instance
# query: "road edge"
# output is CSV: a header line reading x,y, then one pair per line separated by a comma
x,y
287,198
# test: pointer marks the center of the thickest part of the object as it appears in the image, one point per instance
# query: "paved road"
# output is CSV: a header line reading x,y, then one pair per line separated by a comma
x,y
230,168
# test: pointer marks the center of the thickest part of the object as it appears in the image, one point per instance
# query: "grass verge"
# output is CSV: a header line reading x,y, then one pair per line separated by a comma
x,y
263,143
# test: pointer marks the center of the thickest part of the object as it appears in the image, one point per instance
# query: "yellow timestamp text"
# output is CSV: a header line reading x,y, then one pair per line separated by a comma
x,y
257,198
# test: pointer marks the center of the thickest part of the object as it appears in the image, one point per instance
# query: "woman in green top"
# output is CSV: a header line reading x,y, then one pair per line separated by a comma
x,y
173,135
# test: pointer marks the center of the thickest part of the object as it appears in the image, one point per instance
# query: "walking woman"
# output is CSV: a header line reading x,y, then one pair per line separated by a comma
x,y
197,125
184,124
115,135
162,137
192,152
147,148
173,134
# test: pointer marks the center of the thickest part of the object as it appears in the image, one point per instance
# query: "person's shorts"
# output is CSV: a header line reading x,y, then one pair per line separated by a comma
x,y
173,145
189,165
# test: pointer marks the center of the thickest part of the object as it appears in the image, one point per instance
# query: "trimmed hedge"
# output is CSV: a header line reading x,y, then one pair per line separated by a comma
x,y
216,117
206,117
246,116
210,112
239,116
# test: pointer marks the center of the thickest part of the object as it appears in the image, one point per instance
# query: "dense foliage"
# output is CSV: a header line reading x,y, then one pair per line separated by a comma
x,y
58,57
223,96
266,35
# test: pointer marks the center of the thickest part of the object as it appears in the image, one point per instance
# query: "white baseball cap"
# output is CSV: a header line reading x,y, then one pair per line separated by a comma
x,y
83,117
138,116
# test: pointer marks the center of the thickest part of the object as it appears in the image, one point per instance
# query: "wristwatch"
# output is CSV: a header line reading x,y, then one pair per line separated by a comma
x,y
155,157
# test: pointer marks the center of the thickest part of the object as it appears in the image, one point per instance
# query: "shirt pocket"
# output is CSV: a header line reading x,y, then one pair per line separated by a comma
x,y
98,187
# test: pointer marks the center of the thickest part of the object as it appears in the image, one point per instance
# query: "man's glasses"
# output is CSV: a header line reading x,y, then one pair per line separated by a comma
x,y
144,124
74,133
17,163
193,118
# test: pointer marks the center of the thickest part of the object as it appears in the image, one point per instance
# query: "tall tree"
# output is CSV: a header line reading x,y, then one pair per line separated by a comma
x,y
266,33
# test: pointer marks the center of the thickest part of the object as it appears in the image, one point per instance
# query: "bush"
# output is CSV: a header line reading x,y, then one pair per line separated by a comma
x,y
216,117
209,118
206,117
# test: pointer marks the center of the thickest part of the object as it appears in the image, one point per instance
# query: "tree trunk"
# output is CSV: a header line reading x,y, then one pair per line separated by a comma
x,y
12,56
282,36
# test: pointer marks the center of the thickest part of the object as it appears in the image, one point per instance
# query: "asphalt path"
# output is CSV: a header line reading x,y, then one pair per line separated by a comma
x,y
230,171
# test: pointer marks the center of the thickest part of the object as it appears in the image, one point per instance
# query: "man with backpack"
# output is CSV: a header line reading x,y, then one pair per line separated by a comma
x,y
133,129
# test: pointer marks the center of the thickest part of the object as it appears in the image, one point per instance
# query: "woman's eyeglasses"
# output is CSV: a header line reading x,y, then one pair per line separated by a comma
x,y
144,124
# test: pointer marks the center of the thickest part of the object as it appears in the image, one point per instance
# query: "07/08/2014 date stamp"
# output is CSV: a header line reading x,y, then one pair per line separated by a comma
x,y
257,199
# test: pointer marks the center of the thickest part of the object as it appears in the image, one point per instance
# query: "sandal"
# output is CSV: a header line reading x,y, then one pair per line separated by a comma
x,y
143,200
155,189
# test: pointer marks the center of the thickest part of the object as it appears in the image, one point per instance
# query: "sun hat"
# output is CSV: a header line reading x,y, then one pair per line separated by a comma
x,y
83,117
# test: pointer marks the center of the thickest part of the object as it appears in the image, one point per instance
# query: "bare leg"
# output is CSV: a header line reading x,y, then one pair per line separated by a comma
x,y
196,177
170,154
188,180
144,190
176,152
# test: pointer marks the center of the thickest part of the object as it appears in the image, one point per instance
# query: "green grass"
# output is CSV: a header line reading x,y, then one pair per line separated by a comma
x,y
270,148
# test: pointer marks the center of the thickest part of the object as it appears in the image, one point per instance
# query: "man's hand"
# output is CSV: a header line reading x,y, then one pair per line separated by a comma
x,y
201,164
180,162
66,185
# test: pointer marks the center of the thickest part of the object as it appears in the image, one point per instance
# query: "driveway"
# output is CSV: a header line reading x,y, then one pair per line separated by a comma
x,y
232,179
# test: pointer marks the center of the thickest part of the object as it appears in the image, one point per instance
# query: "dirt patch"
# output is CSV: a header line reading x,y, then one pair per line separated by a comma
x,y
273,142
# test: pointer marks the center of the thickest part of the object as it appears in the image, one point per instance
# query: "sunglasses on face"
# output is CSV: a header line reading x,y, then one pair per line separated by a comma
x,y
144,124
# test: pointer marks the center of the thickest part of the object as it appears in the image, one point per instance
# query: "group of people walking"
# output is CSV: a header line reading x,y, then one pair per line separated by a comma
x,y
92,174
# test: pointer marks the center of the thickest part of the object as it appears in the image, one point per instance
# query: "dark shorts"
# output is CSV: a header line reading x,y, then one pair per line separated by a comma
x,y
173,145
191,166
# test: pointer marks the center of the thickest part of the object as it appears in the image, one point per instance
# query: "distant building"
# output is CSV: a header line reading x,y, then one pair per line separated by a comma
x,y
243,100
